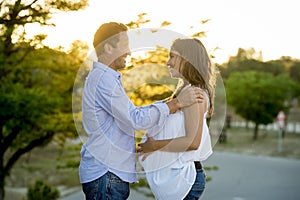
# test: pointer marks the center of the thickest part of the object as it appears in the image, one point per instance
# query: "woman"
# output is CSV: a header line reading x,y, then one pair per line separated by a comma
x,y
172,154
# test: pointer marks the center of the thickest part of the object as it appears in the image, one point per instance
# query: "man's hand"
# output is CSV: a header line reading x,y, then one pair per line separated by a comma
x,y
190,95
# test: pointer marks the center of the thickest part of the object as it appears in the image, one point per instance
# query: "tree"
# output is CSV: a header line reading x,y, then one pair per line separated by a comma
x,y
246,60
36,103
30,107
295,71
295,75
258,96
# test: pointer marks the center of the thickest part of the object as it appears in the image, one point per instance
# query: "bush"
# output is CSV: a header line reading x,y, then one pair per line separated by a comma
x,y
42,191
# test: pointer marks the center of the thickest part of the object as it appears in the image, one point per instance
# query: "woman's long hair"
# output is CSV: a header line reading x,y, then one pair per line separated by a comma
x,y
196,66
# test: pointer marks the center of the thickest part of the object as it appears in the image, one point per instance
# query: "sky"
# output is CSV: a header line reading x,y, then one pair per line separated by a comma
x,y
265,25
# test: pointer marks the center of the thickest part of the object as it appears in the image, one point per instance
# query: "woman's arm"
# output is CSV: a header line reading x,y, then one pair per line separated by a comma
x,y
193,117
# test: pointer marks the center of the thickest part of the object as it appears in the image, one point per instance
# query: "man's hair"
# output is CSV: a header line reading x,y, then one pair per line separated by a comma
x,y
105,34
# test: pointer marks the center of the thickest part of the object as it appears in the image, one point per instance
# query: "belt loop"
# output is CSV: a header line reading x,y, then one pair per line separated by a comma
x,y
197,165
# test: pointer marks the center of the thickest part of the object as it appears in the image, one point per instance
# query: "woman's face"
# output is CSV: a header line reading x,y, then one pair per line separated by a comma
x,y
174,64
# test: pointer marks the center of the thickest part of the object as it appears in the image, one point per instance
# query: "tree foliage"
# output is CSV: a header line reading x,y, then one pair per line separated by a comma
x,y
36,103
35,81
284,68
258,96
295,71
246,60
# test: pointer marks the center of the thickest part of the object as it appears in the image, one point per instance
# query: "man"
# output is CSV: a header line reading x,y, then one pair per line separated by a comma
x,y
108,158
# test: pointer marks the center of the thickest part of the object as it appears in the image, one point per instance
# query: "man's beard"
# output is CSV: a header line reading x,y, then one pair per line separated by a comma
x,y
119,63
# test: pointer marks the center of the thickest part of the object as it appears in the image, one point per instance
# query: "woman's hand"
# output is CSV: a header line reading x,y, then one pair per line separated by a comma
x,y
146,148
144,156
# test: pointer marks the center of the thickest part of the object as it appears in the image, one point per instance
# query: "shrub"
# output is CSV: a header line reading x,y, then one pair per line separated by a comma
x,y
42,191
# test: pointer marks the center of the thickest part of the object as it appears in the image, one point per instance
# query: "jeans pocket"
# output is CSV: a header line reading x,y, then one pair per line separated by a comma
x,y
115,179
90,189
118,188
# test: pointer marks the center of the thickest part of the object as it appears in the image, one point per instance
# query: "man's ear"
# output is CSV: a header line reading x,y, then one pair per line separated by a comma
x,y
108,48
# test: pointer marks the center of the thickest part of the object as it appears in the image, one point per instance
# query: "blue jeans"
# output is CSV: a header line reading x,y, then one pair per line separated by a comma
x,y
107,187
198,187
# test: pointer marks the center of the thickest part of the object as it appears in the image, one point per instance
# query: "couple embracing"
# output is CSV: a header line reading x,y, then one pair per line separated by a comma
x,y
177,137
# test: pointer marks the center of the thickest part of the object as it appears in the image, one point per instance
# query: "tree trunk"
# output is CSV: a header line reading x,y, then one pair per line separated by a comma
x,y
255,135
2,192
2,173
223,136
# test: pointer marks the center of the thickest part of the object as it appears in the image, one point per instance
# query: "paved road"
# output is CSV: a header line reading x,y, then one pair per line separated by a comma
x,y
80,196
242,177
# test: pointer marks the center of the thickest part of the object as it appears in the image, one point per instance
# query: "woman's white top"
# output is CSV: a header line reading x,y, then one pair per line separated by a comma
x,y
171,175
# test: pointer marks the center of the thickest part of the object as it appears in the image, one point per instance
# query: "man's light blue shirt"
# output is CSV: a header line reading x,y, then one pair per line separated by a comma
x,y
109,119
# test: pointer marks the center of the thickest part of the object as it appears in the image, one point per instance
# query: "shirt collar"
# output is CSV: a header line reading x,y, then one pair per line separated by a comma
x,y
106,68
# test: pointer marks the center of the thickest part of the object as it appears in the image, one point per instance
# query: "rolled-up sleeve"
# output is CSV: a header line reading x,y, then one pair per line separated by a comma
x,y
159,112
161,108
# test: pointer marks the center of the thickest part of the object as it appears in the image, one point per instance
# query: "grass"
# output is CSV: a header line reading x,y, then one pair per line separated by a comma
x,y
48,163
240,140
45,164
